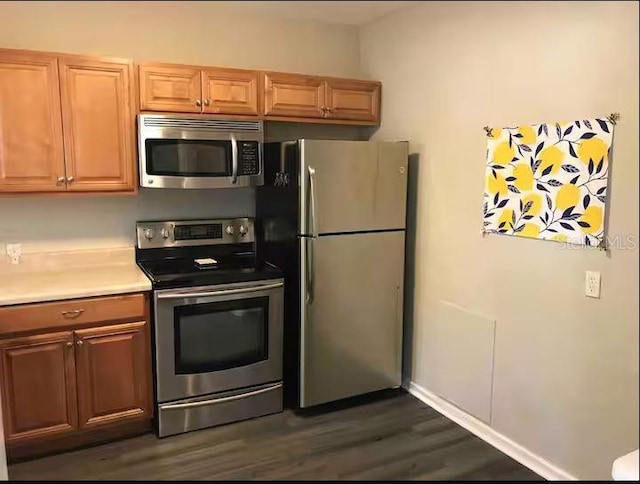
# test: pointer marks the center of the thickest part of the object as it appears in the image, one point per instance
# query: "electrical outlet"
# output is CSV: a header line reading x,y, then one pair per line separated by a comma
x,y
14,251
592,284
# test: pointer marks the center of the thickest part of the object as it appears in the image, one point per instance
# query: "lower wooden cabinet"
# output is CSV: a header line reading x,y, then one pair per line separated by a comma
x,y
38,386
112,364
77,379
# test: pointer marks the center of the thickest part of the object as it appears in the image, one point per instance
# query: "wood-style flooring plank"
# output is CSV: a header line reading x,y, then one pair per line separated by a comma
x,y
393,438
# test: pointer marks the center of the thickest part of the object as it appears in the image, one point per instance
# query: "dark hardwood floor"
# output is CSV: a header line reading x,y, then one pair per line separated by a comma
x,y
394,438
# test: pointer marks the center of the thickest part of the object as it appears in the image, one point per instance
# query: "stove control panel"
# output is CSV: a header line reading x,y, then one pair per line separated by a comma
x,y
185,233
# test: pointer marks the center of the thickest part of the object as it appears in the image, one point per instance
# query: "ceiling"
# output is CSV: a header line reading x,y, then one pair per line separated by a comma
x,y
343,12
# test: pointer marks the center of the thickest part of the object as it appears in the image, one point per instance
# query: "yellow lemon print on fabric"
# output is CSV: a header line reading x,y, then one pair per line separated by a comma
x,y
593,216
567,196
496,133
496,184
550,156
503,154
528,135
529,230
592,149
524,177
536,203
559,238
506,217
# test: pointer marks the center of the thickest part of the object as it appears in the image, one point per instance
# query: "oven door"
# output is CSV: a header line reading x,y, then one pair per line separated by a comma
x,y
217,338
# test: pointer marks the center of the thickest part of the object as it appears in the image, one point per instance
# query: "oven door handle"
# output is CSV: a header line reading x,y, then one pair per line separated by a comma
x,y
214,401
224,292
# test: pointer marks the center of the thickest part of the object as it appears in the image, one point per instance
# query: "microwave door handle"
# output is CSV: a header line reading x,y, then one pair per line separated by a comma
x,y
225,292
234,159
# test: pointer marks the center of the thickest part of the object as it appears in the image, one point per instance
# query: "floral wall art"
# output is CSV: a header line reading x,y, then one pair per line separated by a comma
x,y
549,181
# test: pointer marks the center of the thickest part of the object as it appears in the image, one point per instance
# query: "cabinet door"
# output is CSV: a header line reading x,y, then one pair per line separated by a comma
x,y
98,119
37,380
353,100
294,95
113,373
170,88
230,91
31,154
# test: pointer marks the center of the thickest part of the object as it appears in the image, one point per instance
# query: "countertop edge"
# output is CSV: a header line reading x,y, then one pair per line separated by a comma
x,y
41,297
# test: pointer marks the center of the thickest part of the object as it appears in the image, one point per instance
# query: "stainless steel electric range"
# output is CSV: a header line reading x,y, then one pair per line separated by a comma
x,y
218,318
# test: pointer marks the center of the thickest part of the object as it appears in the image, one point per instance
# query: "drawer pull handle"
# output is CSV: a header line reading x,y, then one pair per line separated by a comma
x,y
72,314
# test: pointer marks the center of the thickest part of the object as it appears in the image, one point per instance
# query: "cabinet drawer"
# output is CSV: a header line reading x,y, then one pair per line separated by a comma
x,y
71,313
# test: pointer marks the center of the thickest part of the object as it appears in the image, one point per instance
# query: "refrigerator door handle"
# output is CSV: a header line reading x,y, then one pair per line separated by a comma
x,y
312,202
310,241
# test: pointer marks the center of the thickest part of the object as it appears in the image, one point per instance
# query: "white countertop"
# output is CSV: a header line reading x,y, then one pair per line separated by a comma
x,y
625,468
67,275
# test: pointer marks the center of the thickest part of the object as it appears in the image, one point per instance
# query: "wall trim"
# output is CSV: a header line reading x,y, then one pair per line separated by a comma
x,y
491,436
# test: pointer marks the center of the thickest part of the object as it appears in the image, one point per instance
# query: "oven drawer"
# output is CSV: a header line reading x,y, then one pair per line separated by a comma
x,y
72,312
208,411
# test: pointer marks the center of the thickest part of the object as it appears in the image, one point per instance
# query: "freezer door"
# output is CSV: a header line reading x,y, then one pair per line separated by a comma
x,y
351,186
351,315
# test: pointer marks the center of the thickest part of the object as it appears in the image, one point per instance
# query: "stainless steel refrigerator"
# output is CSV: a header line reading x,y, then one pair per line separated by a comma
x,y
331,215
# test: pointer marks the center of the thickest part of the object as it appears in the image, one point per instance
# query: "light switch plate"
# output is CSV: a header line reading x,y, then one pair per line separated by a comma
x,y
592,284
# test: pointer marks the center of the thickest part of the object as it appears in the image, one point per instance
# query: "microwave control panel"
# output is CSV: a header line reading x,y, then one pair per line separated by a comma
x,y
248,158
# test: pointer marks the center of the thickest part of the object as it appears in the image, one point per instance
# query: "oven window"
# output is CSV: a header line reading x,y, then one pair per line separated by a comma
x,y
181,157
218,336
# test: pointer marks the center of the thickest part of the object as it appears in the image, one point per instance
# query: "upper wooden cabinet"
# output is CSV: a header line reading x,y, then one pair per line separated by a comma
x,y
37,378
230,91
31,153
67,123
330,99
353,100
187,89
294,95
169,88
98,120
267,95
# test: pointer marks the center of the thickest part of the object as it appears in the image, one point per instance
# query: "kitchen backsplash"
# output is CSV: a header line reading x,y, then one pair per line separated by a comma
x,y
59,223
52,223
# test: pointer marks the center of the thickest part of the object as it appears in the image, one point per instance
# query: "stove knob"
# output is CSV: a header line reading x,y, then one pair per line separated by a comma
x,y
165,233
229,229
243,230
148,234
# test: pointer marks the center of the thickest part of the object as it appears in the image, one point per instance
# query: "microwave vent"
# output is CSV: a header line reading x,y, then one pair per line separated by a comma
x,y
195,123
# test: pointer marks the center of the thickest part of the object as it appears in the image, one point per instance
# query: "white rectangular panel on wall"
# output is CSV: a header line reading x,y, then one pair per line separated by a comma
x,y
459,358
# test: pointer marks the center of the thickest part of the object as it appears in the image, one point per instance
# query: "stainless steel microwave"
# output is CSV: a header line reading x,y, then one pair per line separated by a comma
x,y
196,152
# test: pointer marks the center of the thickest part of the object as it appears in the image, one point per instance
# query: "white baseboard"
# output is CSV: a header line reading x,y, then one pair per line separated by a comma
x,y
491,436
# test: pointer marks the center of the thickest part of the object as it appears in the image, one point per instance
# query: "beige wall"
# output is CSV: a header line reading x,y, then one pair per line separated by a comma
x,y
565,381
183,32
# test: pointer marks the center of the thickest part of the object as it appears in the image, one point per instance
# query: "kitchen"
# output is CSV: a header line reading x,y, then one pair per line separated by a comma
x,y
185,76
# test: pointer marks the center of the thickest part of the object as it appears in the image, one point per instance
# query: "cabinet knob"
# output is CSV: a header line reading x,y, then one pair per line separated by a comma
x,y
198,102
207,102
60,180
69,344
80,342
69,179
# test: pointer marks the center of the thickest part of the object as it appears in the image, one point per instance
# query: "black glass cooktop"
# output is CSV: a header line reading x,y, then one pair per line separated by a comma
x,y
185,272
